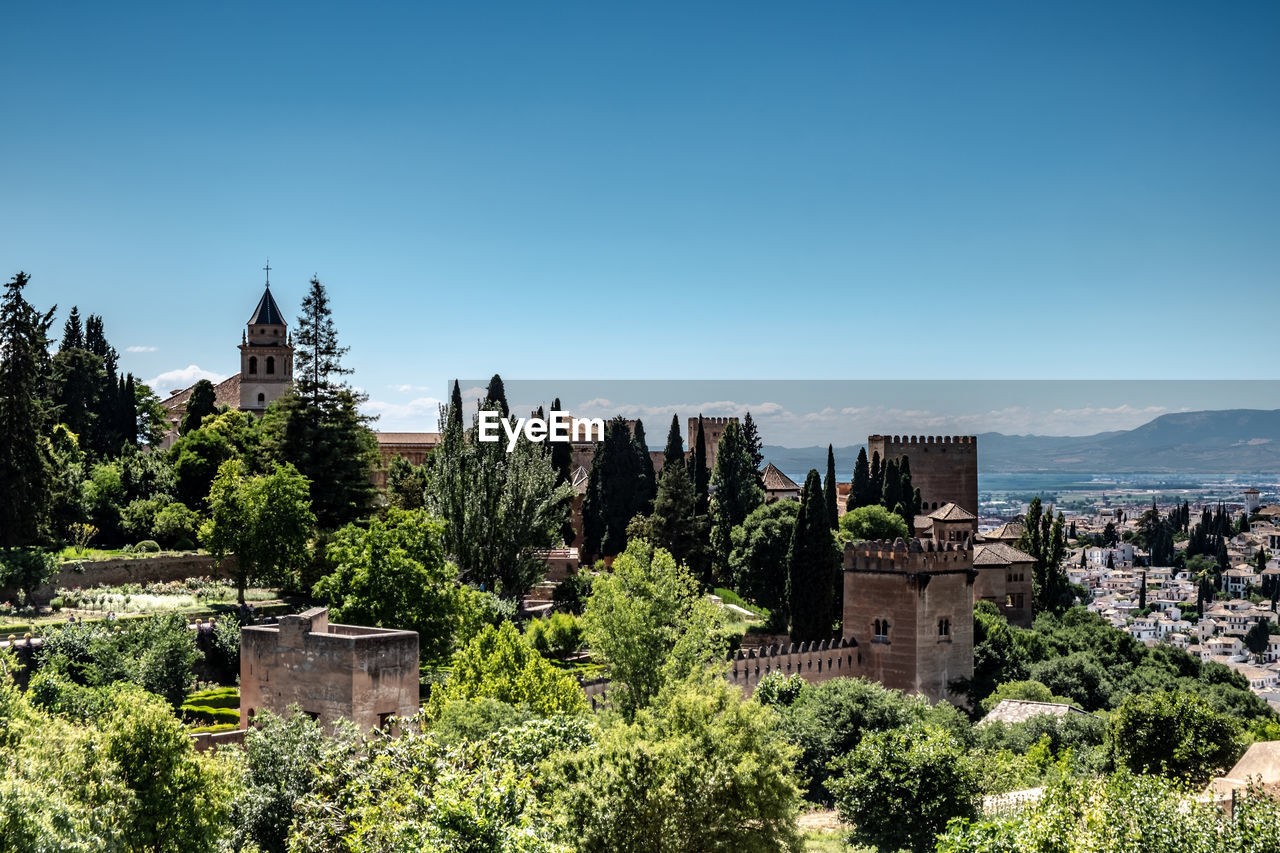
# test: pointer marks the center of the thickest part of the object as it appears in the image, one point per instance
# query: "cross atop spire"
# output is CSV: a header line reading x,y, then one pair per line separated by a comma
x,y
268,269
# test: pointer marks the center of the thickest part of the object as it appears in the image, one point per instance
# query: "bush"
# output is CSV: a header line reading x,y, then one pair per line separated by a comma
x,y
147,546
176,525
217,697
206,714
55,604
214,729
571,594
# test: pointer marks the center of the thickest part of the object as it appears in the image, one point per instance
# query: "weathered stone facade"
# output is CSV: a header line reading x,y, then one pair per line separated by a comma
x,y
330,671
944,468
909,608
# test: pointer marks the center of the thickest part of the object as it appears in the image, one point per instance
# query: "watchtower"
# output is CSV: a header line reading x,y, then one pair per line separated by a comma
x,y
266,355
909,607
943,467
712,429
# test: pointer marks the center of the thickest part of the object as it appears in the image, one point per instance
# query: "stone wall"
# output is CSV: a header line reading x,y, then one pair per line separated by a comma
x,y
121,570
816,662
943,467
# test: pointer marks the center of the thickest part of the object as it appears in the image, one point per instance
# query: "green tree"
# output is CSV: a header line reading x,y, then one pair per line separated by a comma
x,y
924,774
755,444
645,462
646,622
760,559
495,397
562,458
873,522
25,499
200,404
617,491
500,664
501,508
1173,734
264,520
829,488
393,574
1044,538
700,473
406,484
1258,636
26,570
318,427
860,487
737,492
674,453
674,525
813,565
702,769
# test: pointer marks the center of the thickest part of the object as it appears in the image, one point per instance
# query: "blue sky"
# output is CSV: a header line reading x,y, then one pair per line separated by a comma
x,y
737,190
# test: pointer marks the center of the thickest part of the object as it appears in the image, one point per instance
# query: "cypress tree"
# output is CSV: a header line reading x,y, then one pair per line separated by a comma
x,y
561,452
829,488
861,484
646,463
701,476
26,496
891,490
674,524
737,492
674,453
455,407
127,417
910,495
496,396
875,486
1142,593
200,405
813,562
751,436
616,492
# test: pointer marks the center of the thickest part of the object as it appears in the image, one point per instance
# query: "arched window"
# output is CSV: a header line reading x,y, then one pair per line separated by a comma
x,y
262,399
253,365
271,365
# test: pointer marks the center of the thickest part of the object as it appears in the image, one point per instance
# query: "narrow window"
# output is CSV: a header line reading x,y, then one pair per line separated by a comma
x,y
253,365
262,399
271,365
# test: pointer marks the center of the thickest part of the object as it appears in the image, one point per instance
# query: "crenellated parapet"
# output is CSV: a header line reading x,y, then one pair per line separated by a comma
x,y
815,661
908,556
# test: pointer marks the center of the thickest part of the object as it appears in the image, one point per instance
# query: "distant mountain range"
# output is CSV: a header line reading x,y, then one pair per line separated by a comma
x,y
1231,441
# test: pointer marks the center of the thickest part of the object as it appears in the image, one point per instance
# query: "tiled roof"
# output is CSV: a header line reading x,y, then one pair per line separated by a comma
x,y
951,512
267,313
1021,710
225,393
432,438
999,554
1009,531
776,481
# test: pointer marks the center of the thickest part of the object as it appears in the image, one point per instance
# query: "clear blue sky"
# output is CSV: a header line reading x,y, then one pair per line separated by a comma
x,y
739,190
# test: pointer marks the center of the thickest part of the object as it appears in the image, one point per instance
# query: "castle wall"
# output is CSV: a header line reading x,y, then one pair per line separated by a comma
x,y
816,662
943,468
712,429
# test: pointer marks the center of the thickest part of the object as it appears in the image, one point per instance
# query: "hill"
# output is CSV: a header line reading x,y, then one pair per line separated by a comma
x,y
1231,441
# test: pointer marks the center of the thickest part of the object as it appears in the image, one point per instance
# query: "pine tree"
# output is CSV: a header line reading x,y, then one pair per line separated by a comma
x,y
891,490
95,341
911,495
200,405
72,331
674,453
700,475
861,484
26,495
496,396
829,488
813,563
318,427
646,462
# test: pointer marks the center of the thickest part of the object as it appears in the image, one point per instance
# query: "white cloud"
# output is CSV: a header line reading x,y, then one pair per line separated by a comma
x,y
184,377
418,415
409,389
139,349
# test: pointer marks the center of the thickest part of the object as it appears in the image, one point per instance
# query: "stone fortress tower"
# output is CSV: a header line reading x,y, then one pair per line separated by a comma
x,y
943,467
266,355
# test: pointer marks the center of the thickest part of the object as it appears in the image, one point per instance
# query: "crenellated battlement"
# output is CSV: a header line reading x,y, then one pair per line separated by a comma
x,y
706,422
909,440
816,661
900,555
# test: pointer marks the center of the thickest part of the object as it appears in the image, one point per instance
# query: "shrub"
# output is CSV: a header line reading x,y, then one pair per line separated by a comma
x,y
176,524
571,594
208,715
147,546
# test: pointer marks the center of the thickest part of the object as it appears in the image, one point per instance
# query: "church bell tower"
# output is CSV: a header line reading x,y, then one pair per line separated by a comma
x,y
266,355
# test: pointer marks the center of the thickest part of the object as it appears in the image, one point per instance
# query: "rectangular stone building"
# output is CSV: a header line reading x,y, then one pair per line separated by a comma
x,y
330,671
909,608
